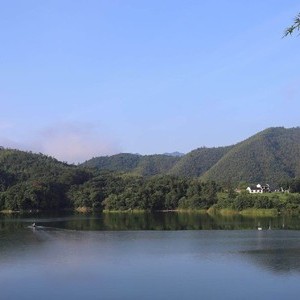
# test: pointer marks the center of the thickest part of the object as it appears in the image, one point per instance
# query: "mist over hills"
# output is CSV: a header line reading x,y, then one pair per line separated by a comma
x,y
271,155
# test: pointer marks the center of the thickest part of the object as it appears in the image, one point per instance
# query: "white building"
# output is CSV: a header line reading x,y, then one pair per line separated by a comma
x,y
258,189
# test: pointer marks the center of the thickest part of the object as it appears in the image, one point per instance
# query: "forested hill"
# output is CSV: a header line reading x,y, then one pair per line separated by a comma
x,y
21,166
120,162
193,164
31,181
145,165
270,156
198,161
36,181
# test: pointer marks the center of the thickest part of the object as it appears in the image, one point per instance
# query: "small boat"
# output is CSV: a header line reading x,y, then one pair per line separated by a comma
x,y
259,228
33,226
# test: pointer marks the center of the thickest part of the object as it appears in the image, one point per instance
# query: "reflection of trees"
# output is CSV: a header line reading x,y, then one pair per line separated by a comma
x,y
146,221
275,251
176,221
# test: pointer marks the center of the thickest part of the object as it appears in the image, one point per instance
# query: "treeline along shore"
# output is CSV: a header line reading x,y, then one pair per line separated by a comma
x,y
31,181
203,179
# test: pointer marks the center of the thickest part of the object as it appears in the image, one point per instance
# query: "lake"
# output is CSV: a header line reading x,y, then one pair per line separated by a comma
x,y
148,256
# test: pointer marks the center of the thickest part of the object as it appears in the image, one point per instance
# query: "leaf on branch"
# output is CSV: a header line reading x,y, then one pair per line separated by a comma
x,y
295,26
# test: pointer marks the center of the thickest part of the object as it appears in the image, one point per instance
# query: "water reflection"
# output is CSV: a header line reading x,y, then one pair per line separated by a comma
x,y
273,251
100,261
276,251
279,260
146,221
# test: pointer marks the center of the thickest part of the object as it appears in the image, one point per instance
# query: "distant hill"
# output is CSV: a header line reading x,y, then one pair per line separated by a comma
x,y
145,165
125,162
30,181
270,156
192,164
36,181
198,161
21,166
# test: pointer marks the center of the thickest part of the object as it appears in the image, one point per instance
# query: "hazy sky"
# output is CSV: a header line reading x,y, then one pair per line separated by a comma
x,y
88,78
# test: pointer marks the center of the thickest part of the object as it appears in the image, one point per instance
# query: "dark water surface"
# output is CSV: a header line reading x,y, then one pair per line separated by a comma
x,y
148,256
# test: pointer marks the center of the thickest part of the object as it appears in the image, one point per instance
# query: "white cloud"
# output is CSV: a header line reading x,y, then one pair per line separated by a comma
x,y
75,142
70,141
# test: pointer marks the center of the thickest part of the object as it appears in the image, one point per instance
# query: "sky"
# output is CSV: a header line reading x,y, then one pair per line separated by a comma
x,y
80,79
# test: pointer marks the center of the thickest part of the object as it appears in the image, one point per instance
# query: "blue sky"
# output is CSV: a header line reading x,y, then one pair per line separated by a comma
x,y
86,78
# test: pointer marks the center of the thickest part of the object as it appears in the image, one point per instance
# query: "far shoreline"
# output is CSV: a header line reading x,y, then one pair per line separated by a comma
x,y
226,212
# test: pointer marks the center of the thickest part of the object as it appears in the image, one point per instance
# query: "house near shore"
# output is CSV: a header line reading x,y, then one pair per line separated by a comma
x,y
258,189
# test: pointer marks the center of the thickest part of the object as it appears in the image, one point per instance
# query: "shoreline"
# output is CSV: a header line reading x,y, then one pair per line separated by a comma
x,y
211,211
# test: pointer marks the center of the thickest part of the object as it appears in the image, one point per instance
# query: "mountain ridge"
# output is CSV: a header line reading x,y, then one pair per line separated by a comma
x,y
269,155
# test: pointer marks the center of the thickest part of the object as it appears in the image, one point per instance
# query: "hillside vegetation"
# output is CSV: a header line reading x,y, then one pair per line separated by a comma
x,y
36,181
145,165
198,161
269,156
124,162
31,181
193,164
272,155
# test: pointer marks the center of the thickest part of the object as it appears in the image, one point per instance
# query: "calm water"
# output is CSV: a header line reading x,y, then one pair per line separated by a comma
x,y
148,257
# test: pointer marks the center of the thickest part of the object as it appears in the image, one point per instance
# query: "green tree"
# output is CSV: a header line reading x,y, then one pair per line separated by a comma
x,y
295,185
295,26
